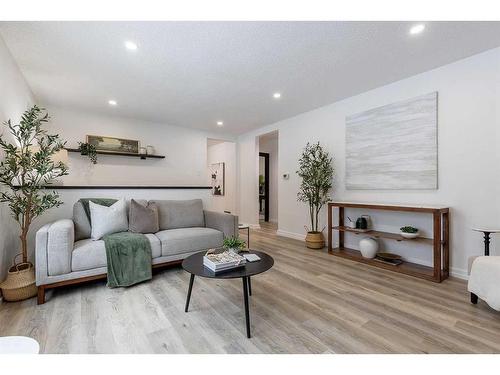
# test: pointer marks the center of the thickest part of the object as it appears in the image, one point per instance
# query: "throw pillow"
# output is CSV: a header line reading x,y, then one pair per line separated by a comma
x,y
143,219
107,220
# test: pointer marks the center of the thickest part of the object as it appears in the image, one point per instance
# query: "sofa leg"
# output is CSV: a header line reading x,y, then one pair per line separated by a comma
x,y
41,295
473,298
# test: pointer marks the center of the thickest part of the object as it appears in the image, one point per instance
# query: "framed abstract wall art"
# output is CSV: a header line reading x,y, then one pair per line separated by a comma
x,y
394,146
112,144
217,178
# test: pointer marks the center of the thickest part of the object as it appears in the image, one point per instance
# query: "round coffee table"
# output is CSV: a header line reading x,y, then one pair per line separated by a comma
x,y
194,265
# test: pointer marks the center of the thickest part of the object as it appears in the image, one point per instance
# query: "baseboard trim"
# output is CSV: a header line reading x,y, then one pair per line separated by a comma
x,y
295,236
459,273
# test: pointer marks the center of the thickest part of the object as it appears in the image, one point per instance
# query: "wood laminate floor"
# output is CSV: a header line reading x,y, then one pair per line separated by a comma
x,y
309,302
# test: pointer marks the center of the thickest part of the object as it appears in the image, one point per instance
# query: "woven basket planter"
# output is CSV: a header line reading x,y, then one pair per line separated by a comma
x,y
315,240
20,283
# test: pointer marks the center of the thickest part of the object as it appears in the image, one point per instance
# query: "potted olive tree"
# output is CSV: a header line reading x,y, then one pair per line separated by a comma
x,y
26,167
316,172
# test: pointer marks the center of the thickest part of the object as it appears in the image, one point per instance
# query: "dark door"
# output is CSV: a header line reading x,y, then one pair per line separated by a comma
x,y
264,187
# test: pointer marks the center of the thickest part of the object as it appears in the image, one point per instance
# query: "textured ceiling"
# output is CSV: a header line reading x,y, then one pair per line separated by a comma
x,y
193,74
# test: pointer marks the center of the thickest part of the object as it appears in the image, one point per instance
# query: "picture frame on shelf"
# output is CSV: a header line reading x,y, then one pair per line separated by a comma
x,y
113,144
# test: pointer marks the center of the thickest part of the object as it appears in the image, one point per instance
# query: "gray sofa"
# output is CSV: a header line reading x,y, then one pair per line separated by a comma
x,y
66,255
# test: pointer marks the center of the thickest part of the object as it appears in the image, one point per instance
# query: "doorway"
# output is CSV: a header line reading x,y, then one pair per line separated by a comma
x,y
268,180
221,174
264,186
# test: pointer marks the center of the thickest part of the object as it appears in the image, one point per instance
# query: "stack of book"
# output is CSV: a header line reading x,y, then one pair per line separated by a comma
x,y
222,261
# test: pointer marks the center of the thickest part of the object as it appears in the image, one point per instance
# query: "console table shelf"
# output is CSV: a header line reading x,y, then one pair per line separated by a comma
x,y
439,243
407,268
388,235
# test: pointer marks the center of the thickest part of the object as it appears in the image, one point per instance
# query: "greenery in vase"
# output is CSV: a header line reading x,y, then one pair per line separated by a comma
x,y
408,229
89,150
316,172
233,243
28,166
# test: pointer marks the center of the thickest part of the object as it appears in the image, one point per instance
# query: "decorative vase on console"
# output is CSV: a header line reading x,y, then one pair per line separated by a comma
x,y
368,247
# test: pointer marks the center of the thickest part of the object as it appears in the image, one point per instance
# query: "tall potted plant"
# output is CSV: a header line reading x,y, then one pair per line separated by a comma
x,y
316,172
26,167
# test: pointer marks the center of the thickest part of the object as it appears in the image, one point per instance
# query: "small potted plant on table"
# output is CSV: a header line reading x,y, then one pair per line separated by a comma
x,y
234,244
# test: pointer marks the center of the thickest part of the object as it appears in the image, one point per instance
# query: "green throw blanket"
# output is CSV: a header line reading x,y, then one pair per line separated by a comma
x,y
128,254
129,258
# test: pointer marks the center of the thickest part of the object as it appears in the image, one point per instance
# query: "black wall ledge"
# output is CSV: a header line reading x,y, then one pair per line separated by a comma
x,y
96,187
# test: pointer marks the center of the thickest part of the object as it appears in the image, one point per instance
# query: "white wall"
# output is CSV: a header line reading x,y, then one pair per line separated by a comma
x,y
468,153
185,151
15,98
248,183
224,152
269,144
185,162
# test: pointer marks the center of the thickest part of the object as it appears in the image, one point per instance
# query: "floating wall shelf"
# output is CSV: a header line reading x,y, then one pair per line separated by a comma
x,y
141,156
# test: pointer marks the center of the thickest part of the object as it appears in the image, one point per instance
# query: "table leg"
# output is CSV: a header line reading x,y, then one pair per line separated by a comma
x,y
487,243
473,298
191,281
249,286
247,311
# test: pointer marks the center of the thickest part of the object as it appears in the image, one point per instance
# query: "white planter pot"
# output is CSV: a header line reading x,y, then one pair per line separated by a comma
x,y
409,235
368,247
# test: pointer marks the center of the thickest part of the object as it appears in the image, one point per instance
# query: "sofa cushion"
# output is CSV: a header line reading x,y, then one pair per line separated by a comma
x,y
175,214
89,254
83,229
108,220
143,218
155,245
185,240
82,223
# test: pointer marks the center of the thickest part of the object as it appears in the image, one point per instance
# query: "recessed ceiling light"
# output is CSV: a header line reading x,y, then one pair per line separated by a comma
x,y
130,45
276,95
417,29
112,102
220,123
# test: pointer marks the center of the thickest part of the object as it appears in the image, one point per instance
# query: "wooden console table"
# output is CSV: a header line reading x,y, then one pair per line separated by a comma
x,y
440,242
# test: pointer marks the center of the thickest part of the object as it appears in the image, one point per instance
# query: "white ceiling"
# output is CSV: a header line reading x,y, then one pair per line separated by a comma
x,y
193,74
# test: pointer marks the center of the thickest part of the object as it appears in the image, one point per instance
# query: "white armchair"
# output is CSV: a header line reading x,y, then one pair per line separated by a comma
x,y
484,275
484,280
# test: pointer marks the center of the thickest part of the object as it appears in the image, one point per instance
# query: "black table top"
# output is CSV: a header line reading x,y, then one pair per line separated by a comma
x,y
194,265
